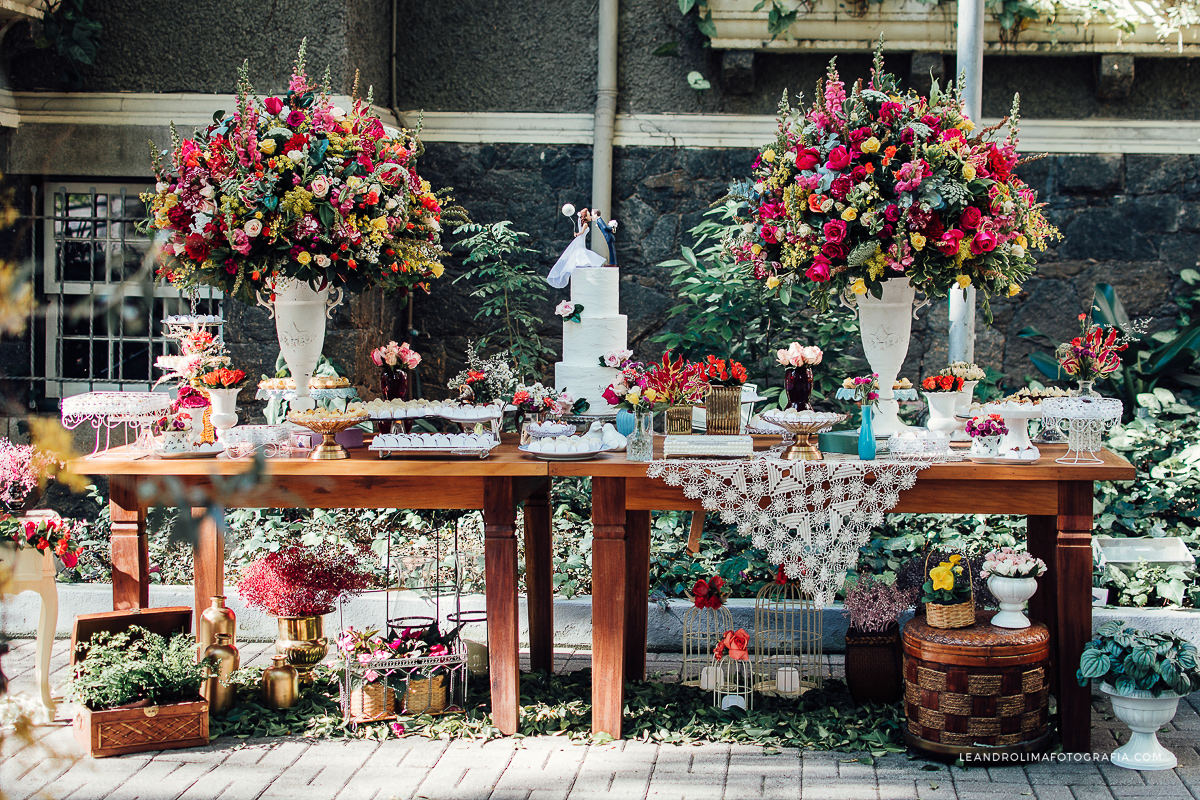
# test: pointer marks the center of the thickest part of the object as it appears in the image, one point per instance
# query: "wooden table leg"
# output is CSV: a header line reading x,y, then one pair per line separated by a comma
x,y
208,561
539,579
609,582
1073,586
130,556
500,576
637,591
1041,537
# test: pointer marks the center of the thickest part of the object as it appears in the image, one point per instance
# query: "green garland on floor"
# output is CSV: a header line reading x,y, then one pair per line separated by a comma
x,y
560,705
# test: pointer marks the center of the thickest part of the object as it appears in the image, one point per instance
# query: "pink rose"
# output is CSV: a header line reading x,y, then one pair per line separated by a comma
x,y
984,242
948,246
273,105
295,118
819,271
839,158
813,355
835,230
807,158
770,234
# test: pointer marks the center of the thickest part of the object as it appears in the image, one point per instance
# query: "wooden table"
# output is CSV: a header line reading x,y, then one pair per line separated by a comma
x,y
496,485
1056,498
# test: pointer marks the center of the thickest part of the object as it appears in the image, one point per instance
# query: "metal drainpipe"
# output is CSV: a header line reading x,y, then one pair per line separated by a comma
x,y
606,114
969,68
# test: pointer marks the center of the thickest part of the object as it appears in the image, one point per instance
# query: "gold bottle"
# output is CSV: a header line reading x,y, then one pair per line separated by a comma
x,y
217,690
215,619
280,683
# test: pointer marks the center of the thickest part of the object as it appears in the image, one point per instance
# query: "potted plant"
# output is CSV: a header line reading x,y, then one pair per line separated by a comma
x,y
222,385
723,400
873,673
173,430
678,384
986,434
948,594
429,654
942,393
1012,578
1144,674
137,691
865,389
370,697
299,586
798,362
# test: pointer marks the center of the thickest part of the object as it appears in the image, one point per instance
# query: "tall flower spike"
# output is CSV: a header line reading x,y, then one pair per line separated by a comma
x,y
299,66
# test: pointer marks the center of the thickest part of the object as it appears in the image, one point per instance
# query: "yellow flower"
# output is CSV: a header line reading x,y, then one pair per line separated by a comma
x,y
379,223
859,286
918,241
267,146
958,570
871,145
651,395
769,156
968,171
304,257
772,282
963,282
955,558
756,249
850,214
1021,240
437,269
967,125
1013,290
942,577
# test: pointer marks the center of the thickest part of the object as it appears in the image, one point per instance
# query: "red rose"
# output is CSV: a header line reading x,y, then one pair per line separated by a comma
x,y
834,230
984,242
892,213
819,271
971,216
716,581
807,158
948,246
770,234
700,588
196,247
839,158
834,251
273,105
841,187
69,560
858,173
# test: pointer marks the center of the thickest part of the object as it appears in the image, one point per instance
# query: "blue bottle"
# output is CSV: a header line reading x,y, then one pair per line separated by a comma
x,y
866,435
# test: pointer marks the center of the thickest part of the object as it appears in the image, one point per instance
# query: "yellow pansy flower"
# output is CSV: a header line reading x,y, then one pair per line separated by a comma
x,y
769,155
968,171
859,286
304,257
772,282
917,240
871,145
963,282
942,577
850,214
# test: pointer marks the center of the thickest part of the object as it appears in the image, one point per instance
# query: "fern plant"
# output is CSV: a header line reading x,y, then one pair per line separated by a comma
x,y
137,666
510,293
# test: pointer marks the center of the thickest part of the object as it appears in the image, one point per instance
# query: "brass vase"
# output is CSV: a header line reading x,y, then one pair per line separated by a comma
x,y
216,689
217,618
280,683
678,421
723,410
302,640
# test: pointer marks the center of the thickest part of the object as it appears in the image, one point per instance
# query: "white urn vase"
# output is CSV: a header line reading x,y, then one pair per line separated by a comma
x,y
300,312
885,324
224,409
1012,594
1145,714
942,407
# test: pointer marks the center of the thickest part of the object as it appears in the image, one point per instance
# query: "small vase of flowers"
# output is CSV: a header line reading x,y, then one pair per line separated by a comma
x,y
1012,577
948,594
174,430
1093,354
798,362
393,360
723,400
485,381
986,434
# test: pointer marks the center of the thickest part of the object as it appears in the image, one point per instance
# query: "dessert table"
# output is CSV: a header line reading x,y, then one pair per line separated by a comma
x,y
1056,498
496,486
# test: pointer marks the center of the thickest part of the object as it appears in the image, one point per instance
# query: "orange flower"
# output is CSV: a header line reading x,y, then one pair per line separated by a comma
x,y
814,203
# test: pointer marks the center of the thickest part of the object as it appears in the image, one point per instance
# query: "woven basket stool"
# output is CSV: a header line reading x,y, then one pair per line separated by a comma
x,y
980,689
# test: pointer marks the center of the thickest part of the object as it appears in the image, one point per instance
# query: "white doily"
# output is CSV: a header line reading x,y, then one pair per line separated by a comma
x,y
810,516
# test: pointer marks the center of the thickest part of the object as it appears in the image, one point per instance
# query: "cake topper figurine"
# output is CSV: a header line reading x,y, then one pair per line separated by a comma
x,y
577,253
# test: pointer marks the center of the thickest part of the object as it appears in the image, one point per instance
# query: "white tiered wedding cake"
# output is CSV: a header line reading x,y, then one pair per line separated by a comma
x,y
601,328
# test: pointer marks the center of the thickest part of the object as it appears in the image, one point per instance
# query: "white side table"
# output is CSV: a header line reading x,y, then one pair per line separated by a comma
x,y
34,571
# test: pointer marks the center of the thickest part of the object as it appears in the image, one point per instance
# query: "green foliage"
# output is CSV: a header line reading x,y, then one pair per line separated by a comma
x,y
71,34
719,309
1149,582
510,293
560,705
134,666
1129,659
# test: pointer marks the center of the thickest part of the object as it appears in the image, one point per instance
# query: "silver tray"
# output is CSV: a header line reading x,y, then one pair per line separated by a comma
x,y
589,455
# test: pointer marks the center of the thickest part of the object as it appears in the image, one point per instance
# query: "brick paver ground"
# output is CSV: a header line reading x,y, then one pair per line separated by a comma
x,y
548,768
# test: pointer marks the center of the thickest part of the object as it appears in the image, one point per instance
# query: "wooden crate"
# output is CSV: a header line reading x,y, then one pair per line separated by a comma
x,y
976,689
117,731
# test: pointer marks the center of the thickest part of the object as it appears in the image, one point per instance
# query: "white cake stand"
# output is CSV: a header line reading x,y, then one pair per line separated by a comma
x,y
1084,420
1016,418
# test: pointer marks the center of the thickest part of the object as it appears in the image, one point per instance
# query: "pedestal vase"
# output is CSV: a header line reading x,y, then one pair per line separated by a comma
x,y
885,324
300,312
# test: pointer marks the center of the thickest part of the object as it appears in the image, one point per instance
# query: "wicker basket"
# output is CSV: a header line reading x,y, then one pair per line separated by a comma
x,y
678,421
977,689
371,702
425,695
959,615
723,410
873,666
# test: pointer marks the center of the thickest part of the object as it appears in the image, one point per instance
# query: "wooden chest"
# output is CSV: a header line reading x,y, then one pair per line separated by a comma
x,y
976,689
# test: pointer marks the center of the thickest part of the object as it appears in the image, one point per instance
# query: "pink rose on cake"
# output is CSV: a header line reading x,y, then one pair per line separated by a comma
x,y
570,312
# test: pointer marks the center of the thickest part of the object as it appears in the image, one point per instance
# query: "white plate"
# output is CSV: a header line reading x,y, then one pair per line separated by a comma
x,y
1001,460
563,456
203,451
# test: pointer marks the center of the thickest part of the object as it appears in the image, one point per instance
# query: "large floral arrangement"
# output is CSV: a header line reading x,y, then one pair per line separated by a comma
x,y
485,380
676,381
56,535
301,581
293,186
882,183
1094,353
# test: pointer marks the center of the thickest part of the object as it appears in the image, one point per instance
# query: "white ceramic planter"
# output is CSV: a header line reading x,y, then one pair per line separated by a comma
x,y
1013,594
986,446
224,409
300,313
175,441
1144,714
885,325
942,406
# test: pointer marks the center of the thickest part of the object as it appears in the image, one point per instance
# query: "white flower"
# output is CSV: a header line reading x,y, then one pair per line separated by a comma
x,y
322,260
812,355
565,309
319,186
161,186
253,227
1018,251
206,191
337,112
295,156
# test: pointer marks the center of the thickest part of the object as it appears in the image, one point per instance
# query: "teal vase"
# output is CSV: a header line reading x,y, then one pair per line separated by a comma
x,y
866,436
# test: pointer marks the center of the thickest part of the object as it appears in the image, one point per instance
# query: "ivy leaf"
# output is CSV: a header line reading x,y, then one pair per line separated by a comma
x,y
686,5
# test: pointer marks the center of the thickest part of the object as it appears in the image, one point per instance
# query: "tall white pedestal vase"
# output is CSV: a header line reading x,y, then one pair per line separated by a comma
x,y
224,409
1144,714
885,324
300,312
1012,594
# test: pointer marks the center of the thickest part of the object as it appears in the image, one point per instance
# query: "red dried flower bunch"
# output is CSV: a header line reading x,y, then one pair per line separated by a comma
x,y
302,581
942,383
708,593
722,372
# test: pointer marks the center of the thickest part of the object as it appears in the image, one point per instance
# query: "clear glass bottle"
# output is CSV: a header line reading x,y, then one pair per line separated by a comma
x,y
640,446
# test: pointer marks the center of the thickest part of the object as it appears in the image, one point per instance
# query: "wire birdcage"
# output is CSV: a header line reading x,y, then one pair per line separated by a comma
x,y
703,628
733,683
788,643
